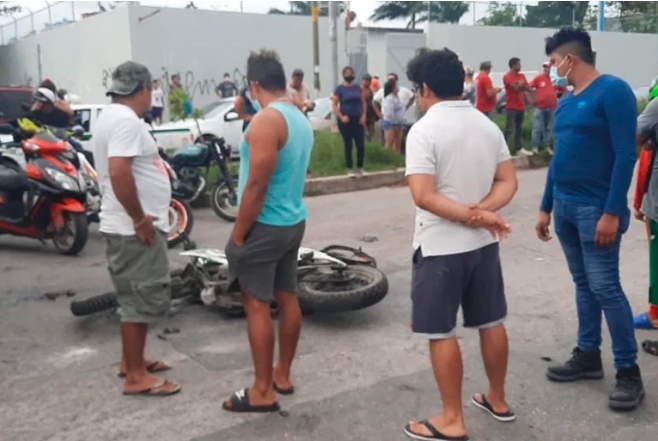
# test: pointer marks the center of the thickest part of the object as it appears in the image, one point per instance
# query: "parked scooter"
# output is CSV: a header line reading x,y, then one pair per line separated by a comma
x,y
187,162
44,200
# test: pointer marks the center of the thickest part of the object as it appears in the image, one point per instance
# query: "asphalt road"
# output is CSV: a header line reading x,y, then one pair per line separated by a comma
x,y
359,376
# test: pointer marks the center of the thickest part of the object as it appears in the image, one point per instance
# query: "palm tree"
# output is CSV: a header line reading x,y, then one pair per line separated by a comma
x,y
417,12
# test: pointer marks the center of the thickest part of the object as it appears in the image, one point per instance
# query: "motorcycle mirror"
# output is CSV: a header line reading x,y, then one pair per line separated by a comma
x,y
1,114
148,118
6,129
78,131
26,106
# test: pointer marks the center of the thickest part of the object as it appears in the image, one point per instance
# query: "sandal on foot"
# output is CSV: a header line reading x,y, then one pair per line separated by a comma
x,y
650,347
435,434
153,368
156,391
643,321
503,417
240,403
282,391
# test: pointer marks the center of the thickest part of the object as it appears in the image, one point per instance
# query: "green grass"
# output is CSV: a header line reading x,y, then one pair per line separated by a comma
x,y
328,157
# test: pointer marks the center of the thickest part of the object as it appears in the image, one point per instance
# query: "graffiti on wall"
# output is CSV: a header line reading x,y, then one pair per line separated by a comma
x,y
195,85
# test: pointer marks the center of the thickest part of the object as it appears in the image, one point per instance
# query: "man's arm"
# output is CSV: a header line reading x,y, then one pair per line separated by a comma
x,y
421,171
267,133
240,110
64,107
124,145
642,172
647,122
505,182
491,90
620,108
547,199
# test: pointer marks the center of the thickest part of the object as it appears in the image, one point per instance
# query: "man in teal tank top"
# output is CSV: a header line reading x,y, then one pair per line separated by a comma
x,y
262,251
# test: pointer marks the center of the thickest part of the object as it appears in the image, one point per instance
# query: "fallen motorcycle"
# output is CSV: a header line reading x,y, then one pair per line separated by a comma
x,y
335,279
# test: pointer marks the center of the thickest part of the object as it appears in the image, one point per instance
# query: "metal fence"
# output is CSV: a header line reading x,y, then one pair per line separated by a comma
x,y
30,22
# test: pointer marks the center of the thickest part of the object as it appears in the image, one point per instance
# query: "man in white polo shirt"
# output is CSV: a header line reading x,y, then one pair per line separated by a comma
x,y
460,174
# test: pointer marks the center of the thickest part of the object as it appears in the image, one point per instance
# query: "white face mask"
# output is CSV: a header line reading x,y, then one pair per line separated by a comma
x,y
558,80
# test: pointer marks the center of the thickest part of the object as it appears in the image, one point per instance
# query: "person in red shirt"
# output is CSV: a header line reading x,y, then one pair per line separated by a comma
x,y
516,86
545,101
485,92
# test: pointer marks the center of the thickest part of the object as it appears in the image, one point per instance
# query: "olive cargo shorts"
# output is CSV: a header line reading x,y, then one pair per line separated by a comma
x,y
140,274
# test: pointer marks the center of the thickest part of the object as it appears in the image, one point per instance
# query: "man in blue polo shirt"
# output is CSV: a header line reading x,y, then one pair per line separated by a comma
x,y
586,190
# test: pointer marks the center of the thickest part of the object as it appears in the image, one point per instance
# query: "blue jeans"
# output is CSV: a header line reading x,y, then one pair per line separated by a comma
x,y
542,126
595,273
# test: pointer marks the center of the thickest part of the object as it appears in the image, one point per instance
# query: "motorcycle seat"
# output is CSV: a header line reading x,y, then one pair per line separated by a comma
x,y
12,180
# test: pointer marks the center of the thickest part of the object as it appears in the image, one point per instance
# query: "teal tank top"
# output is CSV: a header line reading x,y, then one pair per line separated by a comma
x,y
284,203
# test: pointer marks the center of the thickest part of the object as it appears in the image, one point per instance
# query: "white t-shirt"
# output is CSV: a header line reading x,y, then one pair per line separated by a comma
x,y
157,98
405,95
461,148
120,133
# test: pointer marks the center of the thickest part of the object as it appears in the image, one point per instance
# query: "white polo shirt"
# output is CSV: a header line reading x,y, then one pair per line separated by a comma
x,y
461,148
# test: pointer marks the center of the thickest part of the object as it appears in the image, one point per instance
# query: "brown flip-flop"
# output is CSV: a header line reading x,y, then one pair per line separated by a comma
x,y
153,368
156,391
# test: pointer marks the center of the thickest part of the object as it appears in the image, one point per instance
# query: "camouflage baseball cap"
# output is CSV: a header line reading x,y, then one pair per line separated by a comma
x,y
127,77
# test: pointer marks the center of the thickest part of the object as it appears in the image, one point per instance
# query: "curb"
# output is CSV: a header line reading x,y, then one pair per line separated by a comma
x,y
389,178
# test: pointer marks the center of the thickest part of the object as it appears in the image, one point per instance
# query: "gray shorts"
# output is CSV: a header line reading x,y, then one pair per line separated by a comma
x,y
441,284
140,274
267,261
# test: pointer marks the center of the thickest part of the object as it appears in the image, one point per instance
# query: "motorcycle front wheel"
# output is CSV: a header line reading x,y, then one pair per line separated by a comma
x,y
71,239
181,222
224,202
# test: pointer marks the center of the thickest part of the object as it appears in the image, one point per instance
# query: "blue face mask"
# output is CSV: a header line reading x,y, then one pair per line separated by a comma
x,y
254,103
556,78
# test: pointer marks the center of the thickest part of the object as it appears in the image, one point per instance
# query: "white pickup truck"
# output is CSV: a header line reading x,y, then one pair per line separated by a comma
x,y
169,138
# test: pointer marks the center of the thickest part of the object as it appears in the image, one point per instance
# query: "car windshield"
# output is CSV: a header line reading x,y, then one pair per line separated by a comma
x,y
215,109
322,108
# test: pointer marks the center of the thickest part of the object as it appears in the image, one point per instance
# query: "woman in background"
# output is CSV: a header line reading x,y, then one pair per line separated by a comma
x,y
349,105
393,111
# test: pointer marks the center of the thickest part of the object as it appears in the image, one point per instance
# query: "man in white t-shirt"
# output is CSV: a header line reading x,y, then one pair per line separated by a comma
x,y
299,93
157,102
460,173
134,219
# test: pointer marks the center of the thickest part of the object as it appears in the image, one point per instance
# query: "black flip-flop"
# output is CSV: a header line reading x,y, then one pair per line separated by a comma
x,y
282,391
151,368
650,347
436,435
503,417
240,404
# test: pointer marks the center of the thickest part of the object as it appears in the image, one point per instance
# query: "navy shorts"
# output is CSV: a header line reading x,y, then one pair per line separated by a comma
x,y
156,112
441,284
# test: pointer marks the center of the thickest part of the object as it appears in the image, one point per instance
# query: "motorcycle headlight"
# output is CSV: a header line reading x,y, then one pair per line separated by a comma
x,y
62,179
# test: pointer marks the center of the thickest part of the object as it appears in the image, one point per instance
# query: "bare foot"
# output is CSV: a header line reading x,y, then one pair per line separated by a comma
x,y
156,385
281,380
452,428
256,399
498,406
152,366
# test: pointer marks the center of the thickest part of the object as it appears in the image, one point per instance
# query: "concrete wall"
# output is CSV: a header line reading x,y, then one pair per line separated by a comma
x,y
622,54
74,56
202,45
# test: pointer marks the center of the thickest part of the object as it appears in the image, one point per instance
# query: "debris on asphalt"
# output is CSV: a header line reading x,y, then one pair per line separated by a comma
x,y
56,295
369,239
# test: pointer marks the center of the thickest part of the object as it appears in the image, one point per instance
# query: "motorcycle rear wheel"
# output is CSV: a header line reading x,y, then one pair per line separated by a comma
x,y
184,222
77,227
333,290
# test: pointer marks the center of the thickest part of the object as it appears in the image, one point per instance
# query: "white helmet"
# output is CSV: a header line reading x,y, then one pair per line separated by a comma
x,y
45,95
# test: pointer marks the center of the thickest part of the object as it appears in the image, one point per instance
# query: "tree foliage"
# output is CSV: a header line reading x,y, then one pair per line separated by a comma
x,y
641,17
502,14
9,8
419,12
305,8
555,14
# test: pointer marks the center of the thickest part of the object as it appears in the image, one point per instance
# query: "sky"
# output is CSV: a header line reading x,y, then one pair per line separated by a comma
x,y
64,11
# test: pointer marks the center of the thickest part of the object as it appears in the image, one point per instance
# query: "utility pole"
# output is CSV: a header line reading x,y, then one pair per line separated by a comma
x,y
333,39
429,24
601,20
315,17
